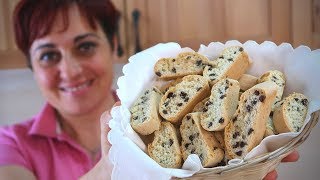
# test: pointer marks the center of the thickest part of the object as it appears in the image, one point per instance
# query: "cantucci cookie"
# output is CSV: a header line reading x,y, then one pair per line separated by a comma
x,y
291,113
187,63
246,81
246,129
145,118
181,98
165,148
277,77
232,63
221,105
196,140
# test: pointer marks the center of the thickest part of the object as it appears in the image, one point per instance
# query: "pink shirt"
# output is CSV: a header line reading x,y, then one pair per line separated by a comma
x,y
40,146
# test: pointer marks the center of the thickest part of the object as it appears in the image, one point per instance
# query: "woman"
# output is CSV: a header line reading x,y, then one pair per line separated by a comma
x,y
69,45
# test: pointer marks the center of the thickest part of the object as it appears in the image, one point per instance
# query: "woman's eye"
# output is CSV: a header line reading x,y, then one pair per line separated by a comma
x,y
87,47
49,58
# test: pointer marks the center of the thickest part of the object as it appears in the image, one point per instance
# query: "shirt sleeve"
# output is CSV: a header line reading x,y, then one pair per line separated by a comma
x,y
10,153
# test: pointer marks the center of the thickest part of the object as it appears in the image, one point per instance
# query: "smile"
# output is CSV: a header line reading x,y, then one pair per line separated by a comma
x,y
77,88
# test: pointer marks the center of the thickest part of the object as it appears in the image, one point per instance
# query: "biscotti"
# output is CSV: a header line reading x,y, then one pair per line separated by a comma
x,y
181,98
187,63
145,118
165,148
248,125
221,105
232,63
278,78
196,140
247,81
200,107
291,113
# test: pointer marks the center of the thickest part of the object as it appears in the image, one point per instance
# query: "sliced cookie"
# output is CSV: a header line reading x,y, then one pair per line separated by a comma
x,y
145,118
278,78
187,63
165,148
291,113
200,107
246,129
232,63
196,140
221,105
247,81
181,98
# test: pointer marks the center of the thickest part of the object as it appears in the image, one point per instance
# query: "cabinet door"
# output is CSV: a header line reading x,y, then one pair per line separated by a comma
x,y
191,23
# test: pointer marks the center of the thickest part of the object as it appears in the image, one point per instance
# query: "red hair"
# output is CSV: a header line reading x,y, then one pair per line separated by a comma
x,y
33,18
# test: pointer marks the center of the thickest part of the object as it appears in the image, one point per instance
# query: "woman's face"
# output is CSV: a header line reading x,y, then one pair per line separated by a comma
x,y
73,67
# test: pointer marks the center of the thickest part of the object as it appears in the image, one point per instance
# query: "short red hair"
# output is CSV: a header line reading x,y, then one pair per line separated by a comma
x,y
33,18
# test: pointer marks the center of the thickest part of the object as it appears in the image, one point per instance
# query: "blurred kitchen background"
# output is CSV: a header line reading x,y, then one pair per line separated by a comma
x,y
145,23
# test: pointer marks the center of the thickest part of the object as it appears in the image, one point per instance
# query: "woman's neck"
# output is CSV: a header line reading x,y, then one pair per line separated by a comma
x,y
85,129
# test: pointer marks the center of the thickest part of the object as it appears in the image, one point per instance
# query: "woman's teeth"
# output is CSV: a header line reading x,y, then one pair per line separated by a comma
x,y
77,88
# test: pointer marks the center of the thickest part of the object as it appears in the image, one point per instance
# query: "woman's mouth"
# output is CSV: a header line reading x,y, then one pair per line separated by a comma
x,y
77,88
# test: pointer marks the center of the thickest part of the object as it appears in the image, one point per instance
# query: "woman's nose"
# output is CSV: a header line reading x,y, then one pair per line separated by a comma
x,y
70,67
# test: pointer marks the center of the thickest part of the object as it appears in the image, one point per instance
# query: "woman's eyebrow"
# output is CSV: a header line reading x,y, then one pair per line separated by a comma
x,y
47,45
82,36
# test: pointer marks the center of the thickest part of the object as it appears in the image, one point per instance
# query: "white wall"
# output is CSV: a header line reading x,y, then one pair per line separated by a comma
x,y
20,99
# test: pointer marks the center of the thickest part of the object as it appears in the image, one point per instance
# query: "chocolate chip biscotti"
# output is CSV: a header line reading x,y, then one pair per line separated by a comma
x,y
165,148
291,113
145,118
196,140
246,129
232,63
186,63
221,105
181,98
278,78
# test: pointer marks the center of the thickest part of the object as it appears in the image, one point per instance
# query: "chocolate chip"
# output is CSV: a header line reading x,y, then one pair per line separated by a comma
x,y
183,95
210,124
249,108
223,96
145,118
188,57
188,117
179,104
304,102
250,131
213,74
205,109
234,119
166,103
163,144
230,59
198,89
215,148
256,92
198,62
271,114
158,73
221,57
208,103
225,88
192,151
173,60
174,70
235,135
254,102
237,144
221,120
187,145
191,137
241,49
201,157
192,121
239,153
186,99
262,98
135,118
242,144
210,69
165,112
170,142
170,95
296,99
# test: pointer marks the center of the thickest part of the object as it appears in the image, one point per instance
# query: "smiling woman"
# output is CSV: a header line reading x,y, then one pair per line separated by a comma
x,y
70,46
